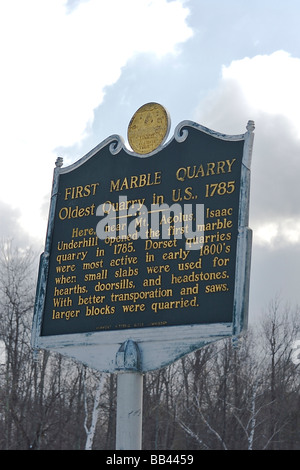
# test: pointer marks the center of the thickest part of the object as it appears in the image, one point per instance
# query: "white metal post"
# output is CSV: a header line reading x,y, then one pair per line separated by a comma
x,y
129,411
129,397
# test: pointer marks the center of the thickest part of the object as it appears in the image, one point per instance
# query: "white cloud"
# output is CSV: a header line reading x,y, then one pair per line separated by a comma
x,y
278,233
265,89
265,84
55,65
269,83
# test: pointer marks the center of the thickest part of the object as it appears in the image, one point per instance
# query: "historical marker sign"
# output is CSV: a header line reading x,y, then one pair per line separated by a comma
x,y
152,246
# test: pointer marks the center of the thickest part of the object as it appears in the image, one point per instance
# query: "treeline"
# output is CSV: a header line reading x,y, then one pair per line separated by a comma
x,y
228,395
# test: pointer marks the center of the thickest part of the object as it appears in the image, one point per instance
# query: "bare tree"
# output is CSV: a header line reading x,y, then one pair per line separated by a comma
x,y
280,329
90,431
220,397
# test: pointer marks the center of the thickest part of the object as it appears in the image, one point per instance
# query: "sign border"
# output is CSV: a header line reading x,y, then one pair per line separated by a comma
x,y
159,346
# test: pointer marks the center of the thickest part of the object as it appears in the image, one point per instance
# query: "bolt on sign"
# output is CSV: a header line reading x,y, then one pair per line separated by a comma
x,y
150,244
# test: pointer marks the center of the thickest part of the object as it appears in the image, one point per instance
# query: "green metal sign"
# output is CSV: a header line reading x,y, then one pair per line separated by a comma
x,y
154,241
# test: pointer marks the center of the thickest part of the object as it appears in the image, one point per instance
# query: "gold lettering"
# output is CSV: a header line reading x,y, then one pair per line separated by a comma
x,y
76,212
208,169
230,163
75,192
76,232
136,181
67,314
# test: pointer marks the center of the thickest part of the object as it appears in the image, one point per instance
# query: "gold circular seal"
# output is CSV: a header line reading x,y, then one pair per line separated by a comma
x,y
148,128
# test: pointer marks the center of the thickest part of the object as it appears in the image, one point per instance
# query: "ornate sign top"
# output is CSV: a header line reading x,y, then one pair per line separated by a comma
x,y
148,128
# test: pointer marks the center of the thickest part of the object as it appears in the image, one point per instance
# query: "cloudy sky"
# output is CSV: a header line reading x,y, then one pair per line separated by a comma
x,y
74,72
